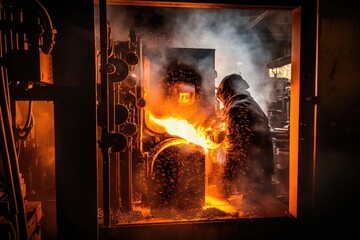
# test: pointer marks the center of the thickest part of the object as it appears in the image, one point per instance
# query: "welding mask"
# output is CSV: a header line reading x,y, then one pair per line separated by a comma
x,y
230,86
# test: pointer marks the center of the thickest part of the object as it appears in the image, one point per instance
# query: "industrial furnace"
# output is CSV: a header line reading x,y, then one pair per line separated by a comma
x,y
159,100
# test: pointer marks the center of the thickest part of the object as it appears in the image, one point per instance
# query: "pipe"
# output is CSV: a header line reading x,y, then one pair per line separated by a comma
x,y
9,136
5,157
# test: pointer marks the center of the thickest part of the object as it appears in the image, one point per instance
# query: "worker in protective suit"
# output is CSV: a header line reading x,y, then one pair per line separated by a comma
x,y
246,140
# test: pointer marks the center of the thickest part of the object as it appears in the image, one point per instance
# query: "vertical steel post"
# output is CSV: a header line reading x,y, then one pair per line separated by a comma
x,y
104,110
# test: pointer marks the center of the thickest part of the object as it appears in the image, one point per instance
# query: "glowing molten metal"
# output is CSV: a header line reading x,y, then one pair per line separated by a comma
x,y
182,128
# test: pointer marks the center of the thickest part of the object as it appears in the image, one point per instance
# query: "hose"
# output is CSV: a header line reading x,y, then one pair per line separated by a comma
x,y
23,133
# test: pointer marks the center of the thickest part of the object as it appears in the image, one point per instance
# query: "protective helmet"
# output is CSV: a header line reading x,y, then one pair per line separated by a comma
x,y
231,85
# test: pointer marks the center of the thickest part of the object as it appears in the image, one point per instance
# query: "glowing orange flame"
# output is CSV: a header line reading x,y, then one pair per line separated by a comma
x,y
182,128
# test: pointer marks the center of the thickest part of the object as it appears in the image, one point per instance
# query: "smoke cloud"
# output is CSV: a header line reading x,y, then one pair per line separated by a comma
x,y
238,48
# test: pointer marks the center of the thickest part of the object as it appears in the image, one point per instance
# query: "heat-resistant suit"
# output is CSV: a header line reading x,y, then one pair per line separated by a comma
x,y
248,142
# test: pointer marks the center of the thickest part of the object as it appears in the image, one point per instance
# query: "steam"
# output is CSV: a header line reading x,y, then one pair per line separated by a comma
x,y
238,49
236,46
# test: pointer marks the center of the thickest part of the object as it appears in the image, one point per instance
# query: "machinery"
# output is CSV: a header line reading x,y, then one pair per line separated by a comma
x,y
154,103
148,165
27,149
158,97
279,120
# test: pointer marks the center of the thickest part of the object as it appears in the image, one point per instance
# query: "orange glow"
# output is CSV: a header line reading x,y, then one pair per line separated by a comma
x,y
294,113
182,128
221,204
186,97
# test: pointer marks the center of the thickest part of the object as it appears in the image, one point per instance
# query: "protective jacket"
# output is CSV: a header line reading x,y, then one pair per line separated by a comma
x,y
248,142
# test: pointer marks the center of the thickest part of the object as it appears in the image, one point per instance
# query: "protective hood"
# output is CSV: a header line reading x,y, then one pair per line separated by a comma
x,y
230,86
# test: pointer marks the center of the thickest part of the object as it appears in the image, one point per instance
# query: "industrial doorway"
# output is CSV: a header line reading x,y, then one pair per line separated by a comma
x,y
148,165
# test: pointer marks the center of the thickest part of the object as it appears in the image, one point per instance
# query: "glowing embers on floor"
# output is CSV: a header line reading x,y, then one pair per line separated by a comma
x,y
215,208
